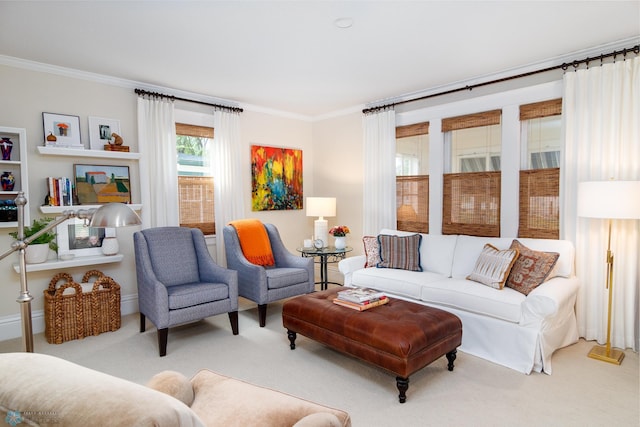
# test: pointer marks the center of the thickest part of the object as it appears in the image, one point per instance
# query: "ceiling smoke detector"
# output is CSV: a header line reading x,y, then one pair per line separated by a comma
x,y
343,22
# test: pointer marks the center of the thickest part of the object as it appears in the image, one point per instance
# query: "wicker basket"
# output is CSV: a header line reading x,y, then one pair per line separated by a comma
x,y
78,314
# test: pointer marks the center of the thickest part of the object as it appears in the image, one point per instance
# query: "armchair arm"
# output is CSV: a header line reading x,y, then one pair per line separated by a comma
x,y
210,271
284,258
252,279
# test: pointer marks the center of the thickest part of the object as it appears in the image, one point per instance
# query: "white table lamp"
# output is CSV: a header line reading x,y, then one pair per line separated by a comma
x,y
321,207
609,200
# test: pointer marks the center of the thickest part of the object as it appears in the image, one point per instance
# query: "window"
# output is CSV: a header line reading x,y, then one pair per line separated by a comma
x,y
540,175
412,177
471,190
195,181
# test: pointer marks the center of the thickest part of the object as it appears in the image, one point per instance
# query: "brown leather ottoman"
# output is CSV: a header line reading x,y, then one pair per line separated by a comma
x,y
400,336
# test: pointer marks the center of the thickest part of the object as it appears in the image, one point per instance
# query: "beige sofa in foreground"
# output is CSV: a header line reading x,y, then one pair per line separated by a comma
x,y
37,389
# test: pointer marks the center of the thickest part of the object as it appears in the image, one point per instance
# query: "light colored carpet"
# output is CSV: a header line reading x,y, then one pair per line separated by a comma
x,y
581,391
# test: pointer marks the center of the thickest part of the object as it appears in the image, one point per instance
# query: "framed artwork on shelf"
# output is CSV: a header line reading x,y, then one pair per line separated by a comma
x,y
276,178
99,184
75,237
61,130
101,130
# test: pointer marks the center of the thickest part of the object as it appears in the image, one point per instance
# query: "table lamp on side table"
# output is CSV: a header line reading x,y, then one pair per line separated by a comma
x,y
321,207
609,200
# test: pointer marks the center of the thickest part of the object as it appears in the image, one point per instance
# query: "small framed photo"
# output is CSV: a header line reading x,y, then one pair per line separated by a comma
x,y
75,237
100,131
61,130
99,184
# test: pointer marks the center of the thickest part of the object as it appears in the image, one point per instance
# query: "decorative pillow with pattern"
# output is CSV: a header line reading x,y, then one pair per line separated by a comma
x,y
493,266
401,252
371,250
531,269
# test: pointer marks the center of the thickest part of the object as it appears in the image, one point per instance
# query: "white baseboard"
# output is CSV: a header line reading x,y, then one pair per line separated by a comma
x,y
11,326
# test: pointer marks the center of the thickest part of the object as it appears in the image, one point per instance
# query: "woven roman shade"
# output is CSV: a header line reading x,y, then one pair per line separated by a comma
x,y
196,203
536,110
475,120
539,203
412,203
412,130
193,130
471,204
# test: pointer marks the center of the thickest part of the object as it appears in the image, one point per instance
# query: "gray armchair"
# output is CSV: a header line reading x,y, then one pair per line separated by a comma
x,y
292,275
178,281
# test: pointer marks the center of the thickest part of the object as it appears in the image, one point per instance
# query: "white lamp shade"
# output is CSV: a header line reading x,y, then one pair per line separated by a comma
x,y
321,206
609,199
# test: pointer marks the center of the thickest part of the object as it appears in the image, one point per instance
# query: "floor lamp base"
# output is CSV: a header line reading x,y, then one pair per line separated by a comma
x,y
599,352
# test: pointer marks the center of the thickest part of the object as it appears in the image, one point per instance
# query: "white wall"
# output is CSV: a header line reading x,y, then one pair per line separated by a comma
x,y
27,94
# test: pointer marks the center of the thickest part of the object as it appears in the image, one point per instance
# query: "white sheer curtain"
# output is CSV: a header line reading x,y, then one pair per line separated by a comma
x,y
158,162
601,110
379,187
226,161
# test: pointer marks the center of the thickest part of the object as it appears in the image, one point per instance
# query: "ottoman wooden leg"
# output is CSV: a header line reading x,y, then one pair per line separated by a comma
x,y
403,386
292,339
451,356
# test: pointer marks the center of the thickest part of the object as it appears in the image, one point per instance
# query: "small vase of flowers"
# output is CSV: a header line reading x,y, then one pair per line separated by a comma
x,y
340,232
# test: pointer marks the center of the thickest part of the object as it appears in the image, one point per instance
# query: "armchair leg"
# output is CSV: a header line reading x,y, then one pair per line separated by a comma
x,y
262,314
143,325
233,318
162,341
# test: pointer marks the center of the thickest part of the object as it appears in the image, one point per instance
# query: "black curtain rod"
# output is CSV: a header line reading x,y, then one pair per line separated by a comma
x,y
142,92
575,64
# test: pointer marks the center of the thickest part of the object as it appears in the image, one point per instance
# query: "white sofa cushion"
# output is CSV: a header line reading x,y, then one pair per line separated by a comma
x,y
504,304
468,249
564,265
400,282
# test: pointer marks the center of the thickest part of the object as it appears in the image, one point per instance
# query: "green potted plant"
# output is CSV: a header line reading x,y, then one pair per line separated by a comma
x,y
38,250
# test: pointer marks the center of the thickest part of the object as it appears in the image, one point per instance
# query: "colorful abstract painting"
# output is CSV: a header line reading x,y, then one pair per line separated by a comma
x,y
276,178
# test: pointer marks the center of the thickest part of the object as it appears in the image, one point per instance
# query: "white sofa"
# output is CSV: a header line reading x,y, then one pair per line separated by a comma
x,y
503,326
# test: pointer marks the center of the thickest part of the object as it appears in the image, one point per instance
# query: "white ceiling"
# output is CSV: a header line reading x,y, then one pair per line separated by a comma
x,y
289,56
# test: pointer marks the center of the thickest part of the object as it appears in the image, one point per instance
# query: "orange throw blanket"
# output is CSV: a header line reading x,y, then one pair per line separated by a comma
x,y
254,241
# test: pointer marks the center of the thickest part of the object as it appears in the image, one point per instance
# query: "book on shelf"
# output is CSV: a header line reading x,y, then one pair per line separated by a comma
x,y
60,191
361,306
360,295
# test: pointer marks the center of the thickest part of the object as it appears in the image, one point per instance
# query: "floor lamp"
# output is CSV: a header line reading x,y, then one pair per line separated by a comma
x,y
609,200
109,215
321,207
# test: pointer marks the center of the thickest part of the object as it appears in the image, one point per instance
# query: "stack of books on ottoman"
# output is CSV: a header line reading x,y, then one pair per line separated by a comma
x,y
360,298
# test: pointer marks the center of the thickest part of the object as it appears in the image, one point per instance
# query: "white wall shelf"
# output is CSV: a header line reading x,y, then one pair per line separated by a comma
x,y
75,262
72,152
61,209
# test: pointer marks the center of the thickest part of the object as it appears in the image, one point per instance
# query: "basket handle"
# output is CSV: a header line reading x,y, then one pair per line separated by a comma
x,y
71,284
54,281
91,273
106,282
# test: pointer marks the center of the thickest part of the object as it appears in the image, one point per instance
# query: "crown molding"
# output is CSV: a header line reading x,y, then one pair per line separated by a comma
x,y
559,60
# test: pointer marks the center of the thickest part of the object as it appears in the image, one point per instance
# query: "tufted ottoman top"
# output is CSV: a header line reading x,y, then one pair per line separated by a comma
x,y
401,336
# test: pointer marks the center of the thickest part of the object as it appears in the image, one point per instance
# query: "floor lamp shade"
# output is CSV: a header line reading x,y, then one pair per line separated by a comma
x,y
321,207
609,200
